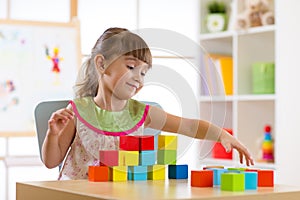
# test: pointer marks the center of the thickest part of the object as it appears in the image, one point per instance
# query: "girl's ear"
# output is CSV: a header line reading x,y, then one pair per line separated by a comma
x,y
99,61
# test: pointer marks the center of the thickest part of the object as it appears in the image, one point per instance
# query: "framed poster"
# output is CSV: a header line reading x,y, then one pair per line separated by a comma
x,y
38,61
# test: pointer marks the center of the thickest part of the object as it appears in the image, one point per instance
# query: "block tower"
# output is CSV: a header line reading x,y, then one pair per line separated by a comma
x,y
268,146
138,158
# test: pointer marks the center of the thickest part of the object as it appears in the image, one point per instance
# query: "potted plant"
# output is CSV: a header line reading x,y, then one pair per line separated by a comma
x,y
216,19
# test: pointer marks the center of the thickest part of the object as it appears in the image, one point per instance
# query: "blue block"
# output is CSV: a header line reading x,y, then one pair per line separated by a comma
x,y
147,158
217,175
137,173
178,171
250,180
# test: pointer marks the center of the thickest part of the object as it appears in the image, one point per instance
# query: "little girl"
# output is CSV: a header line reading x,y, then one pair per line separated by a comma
x,y
104,109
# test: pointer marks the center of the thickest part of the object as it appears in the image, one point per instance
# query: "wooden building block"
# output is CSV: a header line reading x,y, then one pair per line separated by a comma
x,y
137,173
128,158
167,142
129,143
233,181
265,178
118,173
213,166
146,142
250,180
217,175
156,172
147,157
98,173
166,157
178,171
109,157
202,178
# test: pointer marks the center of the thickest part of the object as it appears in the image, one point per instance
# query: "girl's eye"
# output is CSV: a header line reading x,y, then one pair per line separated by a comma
x,y
130,67
143,74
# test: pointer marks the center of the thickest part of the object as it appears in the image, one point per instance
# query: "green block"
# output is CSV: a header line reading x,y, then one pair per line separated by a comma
x,y
233,181
166,157
236,169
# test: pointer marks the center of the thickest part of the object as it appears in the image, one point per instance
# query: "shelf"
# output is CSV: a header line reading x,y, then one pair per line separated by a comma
x,y
219,35
230,34
250,97
256,97
257,30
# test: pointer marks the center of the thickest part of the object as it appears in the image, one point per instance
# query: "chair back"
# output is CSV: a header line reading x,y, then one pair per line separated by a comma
x,y
42,114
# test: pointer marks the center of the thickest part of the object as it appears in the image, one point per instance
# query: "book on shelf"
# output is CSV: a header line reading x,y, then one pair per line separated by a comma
x,y
216,74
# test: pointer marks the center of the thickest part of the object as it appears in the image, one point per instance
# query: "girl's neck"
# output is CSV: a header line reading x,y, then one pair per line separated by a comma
x,y
110,103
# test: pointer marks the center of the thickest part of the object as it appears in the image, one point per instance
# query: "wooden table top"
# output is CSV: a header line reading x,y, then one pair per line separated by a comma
x,y
164,189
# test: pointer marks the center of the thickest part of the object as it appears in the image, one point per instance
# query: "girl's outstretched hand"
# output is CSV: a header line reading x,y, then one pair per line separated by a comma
x,y
229,142
59,120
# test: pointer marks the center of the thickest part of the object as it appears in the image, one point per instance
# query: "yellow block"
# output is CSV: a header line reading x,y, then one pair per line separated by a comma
x,y
156,172
118,173
167,142
128,158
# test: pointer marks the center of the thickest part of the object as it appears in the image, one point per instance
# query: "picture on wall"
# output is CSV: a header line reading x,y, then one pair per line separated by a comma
x,y
37,63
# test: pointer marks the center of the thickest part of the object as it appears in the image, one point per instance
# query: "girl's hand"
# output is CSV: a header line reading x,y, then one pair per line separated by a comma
x,y
229,142
59,120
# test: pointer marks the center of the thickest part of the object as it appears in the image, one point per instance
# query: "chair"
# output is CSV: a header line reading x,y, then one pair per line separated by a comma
x,y
43,112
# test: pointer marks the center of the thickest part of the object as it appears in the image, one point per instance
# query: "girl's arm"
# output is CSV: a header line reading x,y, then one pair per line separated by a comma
x,y
200,129
60,134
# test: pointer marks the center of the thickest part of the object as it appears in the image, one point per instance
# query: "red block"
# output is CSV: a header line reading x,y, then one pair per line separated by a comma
x,y
202,178
98,173
109,157
129,143
219,151
146,143
265,178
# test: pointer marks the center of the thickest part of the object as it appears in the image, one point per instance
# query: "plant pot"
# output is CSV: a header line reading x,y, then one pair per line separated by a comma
x,y
216,22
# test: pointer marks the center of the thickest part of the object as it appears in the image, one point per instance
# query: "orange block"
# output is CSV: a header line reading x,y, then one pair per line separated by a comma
x,y
202,178
98,173
265,178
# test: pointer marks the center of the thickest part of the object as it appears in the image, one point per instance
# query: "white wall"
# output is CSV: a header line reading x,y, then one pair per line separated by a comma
x,y
287,149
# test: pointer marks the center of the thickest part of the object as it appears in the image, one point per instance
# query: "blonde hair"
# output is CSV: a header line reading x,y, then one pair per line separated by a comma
x,y
113,43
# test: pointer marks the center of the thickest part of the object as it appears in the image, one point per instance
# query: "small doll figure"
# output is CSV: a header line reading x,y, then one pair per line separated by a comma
x,y
55,60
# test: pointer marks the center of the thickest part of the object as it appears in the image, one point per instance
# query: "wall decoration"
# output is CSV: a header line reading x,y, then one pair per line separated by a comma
x,y
38,61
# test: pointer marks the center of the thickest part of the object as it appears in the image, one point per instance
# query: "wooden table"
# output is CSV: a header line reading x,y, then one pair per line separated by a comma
x,y
168,189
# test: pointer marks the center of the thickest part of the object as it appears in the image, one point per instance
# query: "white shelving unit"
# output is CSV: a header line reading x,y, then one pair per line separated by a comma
x,y
244,112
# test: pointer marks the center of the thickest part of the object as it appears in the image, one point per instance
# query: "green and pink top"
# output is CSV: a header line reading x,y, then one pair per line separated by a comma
x,y
108,122
98,129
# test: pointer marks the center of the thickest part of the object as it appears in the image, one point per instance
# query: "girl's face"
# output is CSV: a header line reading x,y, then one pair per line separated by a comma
x,y
124,77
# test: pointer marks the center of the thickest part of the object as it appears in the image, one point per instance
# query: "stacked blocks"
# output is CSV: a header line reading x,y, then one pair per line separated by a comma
x,y
109,158
137,173
232,179
136,160
128,158
98,173
167,149
156,172
118,173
